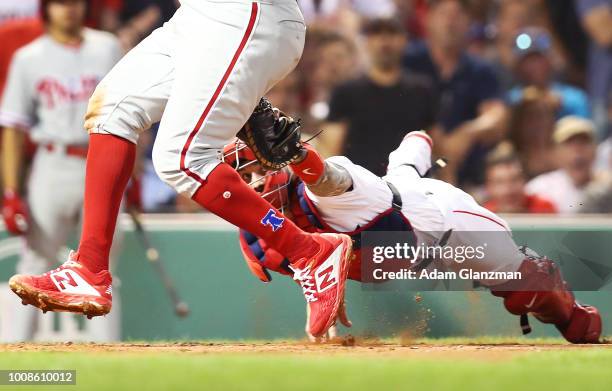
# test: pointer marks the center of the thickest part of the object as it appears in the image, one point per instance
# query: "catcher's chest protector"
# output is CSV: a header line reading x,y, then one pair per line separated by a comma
x,y
305,212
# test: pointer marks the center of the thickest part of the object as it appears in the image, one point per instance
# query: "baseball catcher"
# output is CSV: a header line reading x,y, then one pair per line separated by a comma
x,y
336,195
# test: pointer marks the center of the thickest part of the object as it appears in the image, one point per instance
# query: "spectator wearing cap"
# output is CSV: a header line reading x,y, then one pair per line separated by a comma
x,y
505,185
371,113
565,187
596,18
536,74
472,112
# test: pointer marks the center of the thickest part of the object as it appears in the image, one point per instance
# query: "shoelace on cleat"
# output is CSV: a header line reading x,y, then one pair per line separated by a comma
x,y
57,269
304,278
69,262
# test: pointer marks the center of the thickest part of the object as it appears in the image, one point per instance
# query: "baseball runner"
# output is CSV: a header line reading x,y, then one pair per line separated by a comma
x,y
337,195
48,87
201,74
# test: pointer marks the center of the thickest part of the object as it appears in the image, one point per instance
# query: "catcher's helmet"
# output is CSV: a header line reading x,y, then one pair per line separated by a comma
x,y
271,185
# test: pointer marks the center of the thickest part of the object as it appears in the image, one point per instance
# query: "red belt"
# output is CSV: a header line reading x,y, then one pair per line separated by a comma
x,y
69,150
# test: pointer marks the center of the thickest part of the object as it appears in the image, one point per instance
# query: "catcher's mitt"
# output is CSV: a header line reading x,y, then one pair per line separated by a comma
x,y
273,137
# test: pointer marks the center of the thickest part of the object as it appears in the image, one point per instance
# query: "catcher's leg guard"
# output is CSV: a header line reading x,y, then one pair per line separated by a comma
x,y
543,293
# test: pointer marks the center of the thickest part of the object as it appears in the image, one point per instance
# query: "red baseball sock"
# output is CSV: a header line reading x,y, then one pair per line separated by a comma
x,y
228,196
110,161
311,167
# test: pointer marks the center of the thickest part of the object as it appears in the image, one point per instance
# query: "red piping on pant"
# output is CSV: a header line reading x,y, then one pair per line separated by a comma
x,y
483,216
217,93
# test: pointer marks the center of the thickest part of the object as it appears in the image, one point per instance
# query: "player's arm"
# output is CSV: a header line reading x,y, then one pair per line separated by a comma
x,y
274,139
12,158
15,116
323,178
14,210
327,179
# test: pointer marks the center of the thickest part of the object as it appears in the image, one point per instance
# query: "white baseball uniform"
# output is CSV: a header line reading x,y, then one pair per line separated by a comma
x,y
201,74
47,92
430,205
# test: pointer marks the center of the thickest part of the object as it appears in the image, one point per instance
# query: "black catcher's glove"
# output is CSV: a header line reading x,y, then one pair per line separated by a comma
x,y
273,136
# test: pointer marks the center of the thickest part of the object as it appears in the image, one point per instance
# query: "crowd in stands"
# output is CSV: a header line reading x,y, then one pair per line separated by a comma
x,y
516,94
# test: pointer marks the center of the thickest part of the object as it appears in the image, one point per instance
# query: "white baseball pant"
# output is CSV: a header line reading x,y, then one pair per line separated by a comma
x,y
201,74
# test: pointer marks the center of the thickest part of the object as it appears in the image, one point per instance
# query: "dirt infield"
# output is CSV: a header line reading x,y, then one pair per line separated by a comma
x,y
342,347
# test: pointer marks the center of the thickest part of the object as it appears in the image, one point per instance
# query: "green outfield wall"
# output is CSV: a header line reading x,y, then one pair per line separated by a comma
x,y
202,256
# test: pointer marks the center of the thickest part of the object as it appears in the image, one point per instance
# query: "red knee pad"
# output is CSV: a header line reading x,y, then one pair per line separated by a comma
x,y
541,291
547,306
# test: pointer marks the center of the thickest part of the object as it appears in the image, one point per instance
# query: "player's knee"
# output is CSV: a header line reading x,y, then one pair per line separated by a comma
x,y
167,166
184,176
104,115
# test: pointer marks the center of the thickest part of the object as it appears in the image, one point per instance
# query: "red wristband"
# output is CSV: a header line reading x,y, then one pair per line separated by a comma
x,y
311,167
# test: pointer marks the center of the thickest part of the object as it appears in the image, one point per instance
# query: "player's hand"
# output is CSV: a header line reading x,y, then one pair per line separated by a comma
x,y
342,316
15,213
332,332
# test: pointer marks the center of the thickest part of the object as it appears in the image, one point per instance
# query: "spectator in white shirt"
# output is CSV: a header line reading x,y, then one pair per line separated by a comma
x,y
574,139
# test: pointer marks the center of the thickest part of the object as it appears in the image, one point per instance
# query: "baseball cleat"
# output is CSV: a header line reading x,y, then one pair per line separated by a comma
x,y
322,278
69,288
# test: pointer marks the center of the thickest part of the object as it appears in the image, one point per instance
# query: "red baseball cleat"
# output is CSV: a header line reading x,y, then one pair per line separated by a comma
x,y
322,278
71,287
